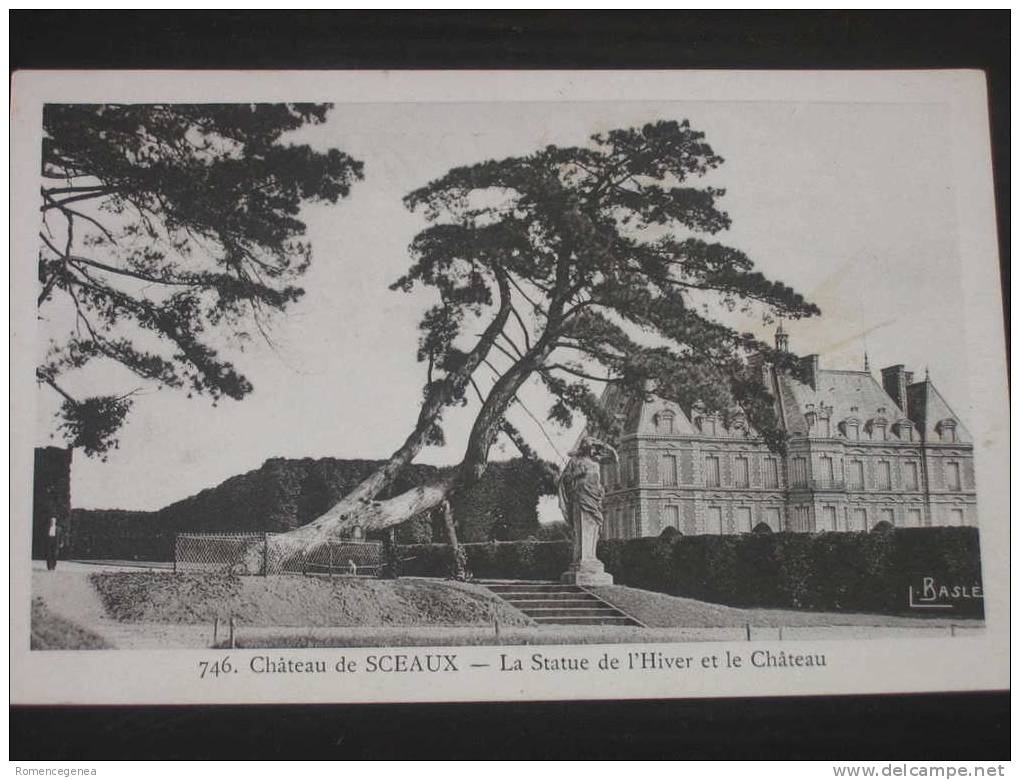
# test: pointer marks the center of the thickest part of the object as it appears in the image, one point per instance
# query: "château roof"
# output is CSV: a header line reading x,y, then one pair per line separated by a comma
x,y
849,394
838,395
928,408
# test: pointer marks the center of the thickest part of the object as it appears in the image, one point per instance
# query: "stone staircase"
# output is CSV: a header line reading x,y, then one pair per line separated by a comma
x,y
552,603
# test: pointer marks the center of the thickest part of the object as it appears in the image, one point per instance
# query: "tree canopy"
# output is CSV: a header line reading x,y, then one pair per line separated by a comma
x,y
582,264
161,223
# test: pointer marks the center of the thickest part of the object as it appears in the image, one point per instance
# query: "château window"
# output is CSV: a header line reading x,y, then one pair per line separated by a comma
x,y
671,518
664,423
669,472
771,473
860,516
886,517
956,517
802,519
742,474
953,476
712,471
706,425
946,430
856,476
913,518
743,520
884,475
713,520
824,428
773,518
828,519
910,475
800,471
828,470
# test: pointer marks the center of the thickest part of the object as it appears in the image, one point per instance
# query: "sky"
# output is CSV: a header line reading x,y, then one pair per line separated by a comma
x,y
851,204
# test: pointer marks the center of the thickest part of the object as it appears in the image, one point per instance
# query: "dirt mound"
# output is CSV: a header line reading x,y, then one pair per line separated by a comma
x,y
156,597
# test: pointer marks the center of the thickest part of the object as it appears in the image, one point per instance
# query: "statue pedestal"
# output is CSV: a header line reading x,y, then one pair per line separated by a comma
x,y
587,572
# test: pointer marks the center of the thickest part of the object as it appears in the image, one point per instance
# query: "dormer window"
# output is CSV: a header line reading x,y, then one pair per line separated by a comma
x,y
706,425
946,429
877,427
851,428
739,426
665,422
904,430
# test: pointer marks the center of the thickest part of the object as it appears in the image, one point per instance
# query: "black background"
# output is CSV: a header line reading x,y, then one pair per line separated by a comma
x,y
933,726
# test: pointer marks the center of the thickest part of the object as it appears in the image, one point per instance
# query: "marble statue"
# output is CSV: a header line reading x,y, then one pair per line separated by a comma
x,y
581,493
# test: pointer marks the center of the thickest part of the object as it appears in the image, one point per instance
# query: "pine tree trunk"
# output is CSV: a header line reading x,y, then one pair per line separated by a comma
x,y
357,509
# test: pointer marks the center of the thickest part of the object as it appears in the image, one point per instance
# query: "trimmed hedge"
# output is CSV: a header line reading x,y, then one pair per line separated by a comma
x,y
851,572
525,560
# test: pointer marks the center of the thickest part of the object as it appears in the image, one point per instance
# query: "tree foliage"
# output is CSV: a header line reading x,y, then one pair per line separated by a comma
x,y
581,264
607,249
162,223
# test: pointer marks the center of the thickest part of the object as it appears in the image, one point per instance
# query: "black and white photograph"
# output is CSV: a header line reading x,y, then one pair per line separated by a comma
x,y
487,392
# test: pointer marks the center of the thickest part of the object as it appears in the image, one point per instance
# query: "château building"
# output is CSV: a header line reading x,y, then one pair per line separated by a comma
x,y
861,454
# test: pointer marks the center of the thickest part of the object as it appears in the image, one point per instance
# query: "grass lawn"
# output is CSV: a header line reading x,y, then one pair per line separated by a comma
x,y
663,611
52,632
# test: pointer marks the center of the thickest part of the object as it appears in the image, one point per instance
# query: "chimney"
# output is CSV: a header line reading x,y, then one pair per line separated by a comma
x,y
810,363
895,380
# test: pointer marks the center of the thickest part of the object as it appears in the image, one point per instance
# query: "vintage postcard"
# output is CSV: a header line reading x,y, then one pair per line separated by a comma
x,y
436,386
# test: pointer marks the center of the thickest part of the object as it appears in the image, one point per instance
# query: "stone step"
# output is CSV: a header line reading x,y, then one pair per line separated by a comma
x,y
620,620
576,612
579,596
528,588
556,603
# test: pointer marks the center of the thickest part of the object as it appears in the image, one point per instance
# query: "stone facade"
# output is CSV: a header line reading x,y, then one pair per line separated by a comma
x,y
862,452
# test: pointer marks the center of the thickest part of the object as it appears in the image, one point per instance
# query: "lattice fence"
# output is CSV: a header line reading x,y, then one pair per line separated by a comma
x,y
247,553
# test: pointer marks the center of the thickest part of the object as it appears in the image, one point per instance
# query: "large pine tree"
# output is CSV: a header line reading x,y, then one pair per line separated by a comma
x,y
575,264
